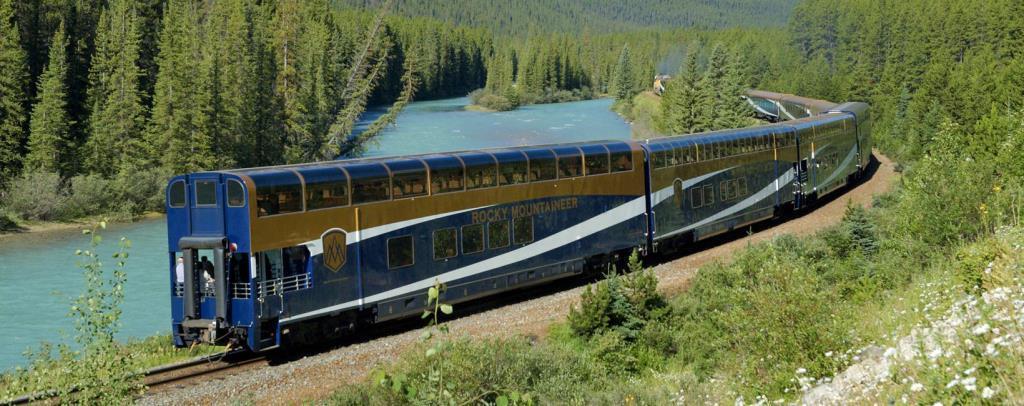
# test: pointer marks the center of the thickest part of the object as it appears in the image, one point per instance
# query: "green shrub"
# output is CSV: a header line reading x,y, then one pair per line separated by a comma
x,y
763,316
623,303
7,222
36,196
89,194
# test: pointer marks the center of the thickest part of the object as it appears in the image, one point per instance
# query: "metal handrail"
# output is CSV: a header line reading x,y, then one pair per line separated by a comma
x,y
281,285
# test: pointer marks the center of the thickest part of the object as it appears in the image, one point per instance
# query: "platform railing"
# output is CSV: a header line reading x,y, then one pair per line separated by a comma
x,y
282,285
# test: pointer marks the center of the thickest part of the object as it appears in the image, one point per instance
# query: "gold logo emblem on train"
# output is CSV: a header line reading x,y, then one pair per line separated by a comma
x,y
335,249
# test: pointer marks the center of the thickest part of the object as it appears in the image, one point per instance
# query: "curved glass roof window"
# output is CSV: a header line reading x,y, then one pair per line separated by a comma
x,y
326,186
570,162
512,166
408,178
621,156
277,192
543,165
481,169
596,159
176,194
370,182
446,174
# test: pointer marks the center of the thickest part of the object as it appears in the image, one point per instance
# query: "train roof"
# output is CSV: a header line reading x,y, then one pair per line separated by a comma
x,y
397,164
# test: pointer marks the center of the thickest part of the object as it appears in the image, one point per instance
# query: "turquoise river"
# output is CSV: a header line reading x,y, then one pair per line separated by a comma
x,y
38,275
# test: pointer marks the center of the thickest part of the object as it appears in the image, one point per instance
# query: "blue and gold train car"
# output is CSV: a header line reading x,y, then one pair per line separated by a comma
x,y
260,257
333,244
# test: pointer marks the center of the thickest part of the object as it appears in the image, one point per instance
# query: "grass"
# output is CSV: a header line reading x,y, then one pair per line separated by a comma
x,y
781,318
149,352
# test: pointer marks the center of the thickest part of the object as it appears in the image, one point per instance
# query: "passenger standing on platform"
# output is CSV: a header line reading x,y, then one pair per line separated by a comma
x,y
207,270
179,271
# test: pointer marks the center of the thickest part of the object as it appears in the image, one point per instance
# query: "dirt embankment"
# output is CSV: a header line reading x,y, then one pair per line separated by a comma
x,y
318,376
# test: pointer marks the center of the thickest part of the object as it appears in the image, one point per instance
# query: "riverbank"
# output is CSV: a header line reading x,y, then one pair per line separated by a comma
x,y
42,228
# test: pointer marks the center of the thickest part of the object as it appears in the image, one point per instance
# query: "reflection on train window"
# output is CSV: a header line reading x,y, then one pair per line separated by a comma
x,y
236,194
206,193
446,180
659,159
622,161
278,199
444,243
472,239
522,230
481,176
497,234
400,252
709,195
269,264
410,184
176,194
597,164
570,166
697,197
513,172
369,190
326,194
295,260
671,157
542,169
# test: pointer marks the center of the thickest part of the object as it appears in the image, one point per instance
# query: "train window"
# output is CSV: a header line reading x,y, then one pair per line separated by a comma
x,y
326,194
725,187
269,264
497,234
446,180
444,244
236,194
622,161
696,197
659,159
543,169
277,192
709,195
295,260
513,167
400,252
522,230
176,194
570,165
206,193
369,190
409,184
472,238
672,156
597,163
741,187
481,176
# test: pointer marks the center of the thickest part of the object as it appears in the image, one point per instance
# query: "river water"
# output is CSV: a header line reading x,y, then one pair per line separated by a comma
x,y
38,275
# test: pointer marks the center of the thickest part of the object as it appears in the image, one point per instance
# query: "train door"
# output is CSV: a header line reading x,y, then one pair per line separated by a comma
x,y
801,172
207,208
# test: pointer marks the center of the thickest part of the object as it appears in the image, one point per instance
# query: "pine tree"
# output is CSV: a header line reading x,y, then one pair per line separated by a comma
x,y
682,104
622,76
722,88
12,94
176,137
115,97
48,138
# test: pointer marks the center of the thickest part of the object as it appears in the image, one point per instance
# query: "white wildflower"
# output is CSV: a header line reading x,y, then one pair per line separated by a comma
x,y
953,383
828,354
981,329
969,383
916,387
987,393
969,371
800,371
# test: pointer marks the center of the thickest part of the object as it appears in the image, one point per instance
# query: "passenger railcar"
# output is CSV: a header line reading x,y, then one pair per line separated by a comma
x,y
270,255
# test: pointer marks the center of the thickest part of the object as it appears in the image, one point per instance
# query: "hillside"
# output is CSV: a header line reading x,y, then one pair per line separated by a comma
x,y
523,16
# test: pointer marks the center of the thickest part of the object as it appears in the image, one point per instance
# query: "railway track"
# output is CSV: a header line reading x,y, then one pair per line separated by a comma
x,y
167,376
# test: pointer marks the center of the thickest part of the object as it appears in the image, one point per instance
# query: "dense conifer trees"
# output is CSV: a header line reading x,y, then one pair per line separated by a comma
x,y
115,98
13,76
48,137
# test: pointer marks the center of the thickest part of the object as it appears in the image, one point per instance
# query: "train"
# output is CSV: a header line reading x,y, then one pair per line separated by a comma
x,y
265,257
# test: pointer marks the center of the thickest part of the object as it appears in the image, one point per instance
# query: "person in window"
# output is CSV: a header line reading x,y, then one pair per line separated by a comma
x,y
179,271
207,270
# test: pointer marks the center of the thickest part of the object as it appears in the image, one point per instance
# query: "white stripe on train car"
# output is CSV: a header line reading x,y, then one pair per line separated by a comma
x,y
315,247
743,204
846,162
619,214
